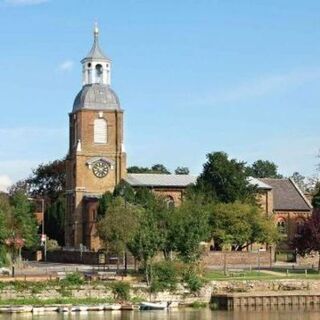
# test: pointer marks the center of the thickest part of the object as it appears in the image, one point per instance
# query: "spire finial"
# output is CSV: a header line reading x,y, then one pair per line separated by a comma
x,y
96,30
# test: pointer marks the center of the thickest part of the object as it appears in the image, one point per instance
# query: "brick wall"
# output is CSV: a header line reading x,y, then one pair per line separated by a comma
x,y
238,259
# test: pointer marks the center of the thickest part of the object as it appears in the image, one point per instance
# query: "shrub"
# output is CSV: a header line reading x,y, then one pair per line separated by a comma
x,y
164,276
194,282
73,279
121,290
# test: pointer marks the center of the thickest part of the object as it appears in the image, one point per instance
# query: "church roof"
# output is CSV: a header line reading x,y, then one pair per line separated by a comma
x,y
160,180
96,96
287,195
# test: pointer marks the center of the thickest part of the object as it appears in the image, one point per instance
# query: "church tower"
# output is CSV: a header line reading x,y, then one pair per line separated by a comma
x,y
96,161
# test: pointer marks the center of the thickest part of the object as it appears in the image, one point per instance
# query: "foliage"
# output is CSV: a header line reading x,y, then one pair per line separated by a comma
x,y
22,222
54,220
299,180
225,180
104,203
194,282
238,225
52,245
73,279
119,225
121,290
182,170
164,276
124,190
263,169
48,180
316,197
156,168
5,212
309,239
189,226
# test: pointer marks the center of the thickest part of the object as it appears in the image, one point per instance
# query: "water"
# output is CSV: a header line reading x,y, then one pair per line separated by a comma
x,y
185,314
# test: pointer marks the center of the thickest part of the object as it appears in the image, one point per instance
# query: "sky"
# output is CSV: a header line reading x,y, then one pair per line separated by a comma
x,y
193,76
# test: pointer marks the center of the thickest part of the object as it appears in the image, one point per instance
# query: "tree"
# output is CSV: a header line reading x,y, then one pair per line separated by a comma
x,y
239,225
189,226
48,180
146,242
263,169
119,225
299,180
182,170
316,196
137,169
54,221
225,180
159,168
5,212
309,238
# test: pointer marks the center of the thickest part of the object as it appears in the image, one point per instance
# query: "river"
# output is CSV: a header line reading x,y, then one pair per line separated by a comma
x,y
181,314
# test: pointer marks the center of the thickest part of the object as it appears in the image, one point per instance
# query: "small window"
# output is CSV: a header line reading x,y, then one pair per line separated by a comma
x,y
169,201
282,226
100,131
89,65
99,72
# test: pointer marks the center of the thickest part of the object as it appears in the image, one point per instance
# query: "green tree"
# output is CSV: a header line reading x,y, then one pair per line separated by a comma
x,y
54,220
225,180
182,170
5,212
239,225
263,169
137,169
299,180
189,226
119,225
22,222
124,190
104,203
159,168
146,241
48,180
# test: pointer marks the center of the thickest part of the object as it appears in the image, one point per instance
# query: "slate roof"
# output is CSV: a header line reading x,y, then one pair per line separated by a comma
x,y
96,96
160,180
287,195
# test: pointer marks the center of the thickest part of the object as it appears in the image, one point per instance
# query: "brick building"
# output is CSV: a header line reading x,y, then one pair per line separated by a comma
x,y
96,161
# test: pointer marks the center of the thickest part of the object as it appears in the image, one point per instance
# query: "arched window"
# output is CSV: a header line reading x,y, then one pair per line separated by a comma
x,y
99,71
282,226
100,131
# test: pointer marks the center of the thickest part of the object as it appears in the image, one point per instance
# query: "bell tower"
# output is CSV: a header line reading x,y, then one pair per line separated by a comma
x,y
96,160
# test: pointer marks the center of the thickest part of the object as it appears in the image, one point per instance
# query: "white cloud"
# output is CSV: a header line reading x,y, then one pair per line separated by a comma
x,y
66,65
5,182
24,2
264,86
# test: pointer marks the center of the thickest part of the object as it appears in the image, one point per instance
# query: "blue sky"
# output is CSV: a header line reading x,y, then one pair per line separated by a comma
x,y
193,76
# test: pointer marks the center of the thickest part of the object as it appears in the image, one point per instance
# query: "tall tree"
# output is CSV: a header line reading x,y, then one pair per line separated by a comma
x,y
299,181
119,225
182,170
5,212
22,222
225,179
189,226
239,225
263,169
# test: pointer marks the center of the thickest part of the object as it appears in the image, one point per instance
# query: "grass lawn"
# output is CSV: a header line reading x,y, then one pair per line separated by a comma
x,y
276,273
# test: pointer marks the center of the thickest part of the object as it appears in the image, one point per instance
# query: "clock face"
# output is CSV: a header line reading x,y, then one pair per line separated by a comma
x,y
100,169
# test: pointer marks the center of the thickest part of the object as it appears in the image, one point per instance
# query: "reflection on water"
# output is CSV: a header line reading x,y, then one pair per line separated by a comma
x,y
181,314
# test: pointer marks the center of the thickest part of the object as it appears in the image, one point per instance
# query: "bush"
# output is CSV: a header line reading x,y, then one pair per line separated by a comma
x,y
121,290
194,282
73,279
164,276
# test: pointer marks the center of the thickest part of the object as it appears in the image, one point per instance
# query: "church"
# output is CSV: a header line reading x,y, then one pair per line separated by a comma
x,y
97,162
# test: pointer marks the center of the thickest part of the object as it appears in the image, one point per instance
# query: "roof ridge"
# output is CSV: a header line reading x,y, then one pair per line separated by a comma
x,y
301,193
